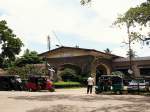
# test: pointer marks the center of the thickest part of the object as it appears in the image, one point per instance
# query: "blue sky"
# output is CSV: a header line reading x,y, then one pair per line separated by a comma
x,y
86,26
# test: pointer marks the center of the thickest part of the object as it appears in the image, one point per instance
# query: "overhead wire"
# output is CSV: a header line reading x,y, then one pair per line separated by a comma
x,y
57,38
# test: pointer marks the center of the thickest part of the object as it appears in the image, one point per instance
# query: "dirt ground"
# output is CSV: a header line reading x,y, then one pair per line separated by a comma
x,y
71,100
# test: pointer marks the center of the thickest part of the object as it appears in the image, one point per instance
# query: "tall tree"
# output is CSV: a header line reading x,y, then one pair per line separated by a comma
x,y
139,18
131,53
135,19
10,45
29,57
132,36
140,14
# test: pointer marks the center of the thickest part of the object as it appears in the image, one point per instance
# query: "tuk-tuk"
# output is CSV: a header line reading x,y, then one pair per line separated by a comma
x,y
10,82
111,83
37,83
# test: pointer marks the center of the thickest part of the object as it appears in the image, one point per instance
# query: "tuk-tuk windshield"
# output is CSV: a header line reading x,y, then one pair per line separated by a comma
x,y
116,80
111,78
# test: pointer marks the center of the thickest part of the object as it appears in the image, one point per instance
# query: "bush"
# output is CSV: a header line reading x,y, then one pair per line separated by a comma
x,y
27,70
68,75
82,80
67,84
118,73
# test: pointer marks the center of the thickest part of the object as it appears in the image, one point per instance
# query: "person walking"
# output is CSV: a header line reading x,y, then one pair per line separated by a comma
x,y
90,81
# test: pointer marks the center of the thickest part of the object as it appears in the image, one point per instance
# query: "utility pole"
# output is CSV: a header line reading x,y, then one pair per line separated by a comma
x,y
49,48
48,66
48,42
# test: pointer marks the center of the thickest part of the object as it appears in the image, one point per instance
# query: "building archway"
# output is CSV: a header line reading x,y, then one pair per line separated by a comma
x,y
71,66
101,69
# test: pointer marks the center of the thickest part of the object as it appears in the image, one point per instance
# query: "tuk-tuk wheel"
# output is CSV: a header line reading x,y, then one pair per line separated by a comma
x,y
97,92
118,92
52,90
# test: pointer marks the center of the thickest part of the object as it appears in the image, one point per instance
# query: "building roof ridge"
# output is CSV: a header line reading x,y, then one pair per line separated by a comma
x,y
81,49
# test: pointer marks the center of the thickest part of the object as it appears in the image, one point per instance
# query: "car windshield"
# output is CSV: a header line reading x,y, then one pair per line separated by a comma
x,y
137,81
113,79
141,81
133,81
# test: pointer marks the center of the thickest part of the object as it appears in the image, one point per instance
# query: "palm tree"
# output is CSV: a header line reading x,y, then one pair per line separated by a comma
x,y
131,53
107,51
83,2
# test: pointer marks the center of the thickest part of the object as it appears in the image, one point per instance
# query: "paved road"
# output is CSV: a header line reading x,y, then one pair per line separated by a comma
x,y
71,100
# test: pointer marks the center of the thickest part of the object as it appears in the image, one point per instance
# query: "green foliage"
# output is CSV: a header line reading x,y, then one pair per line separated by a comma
x,y
11,45
84,2
124,20
132,19
68,74
138,17
66,84
83,79
29,57
140,14
27,70
131,53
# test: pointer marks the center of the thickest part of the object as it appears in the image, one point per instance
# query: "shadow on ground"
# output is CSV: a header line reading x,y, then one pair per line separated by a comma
x,y
71,108
86,98
136,103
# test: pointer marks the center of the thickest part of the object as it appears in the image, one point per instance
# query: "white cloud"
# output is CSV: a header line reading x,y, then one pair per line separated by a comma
x,y
33,20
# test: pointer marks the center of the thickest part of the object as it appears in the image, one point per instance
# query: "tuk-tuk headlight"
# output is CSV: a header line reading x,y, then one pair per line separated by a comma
x,y
111,87
125,87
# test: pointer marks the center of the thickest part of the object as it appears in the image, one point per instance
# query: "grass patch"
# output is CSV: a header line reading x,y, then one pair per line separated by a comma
x,y
67,84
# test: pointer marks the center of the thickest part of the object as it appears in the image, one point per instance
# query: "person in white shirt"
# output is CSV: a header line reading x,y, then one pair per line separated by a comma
x,y
90,82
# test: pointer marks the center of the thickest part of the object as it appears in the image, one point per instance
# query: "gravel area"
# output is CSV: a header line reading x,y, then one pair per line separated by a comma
x,y
71,100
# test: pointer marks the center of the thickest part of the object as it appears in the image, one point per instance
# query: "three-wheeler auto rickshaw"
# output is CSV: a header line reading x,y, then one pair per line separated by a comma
x,y
10,82
37,83
110,83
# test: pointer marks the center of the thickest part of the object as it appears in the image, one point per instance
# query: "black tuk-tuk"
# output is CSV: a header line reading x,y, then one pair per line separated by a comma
x,y
10,82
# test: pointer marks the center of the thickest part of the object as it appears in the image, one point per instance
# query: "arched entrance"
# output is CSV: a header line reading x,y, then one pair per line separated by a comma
x,y
101,69
71,66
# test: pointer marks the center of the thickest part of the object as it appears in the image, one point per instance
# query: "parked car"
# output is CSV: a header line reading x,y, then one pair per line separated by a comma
x,y
138,85
10,82
36,83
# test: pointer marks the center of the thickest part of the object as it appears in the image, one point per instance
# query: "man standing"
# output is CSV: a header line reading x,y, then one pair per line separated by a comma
x,y
90,85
